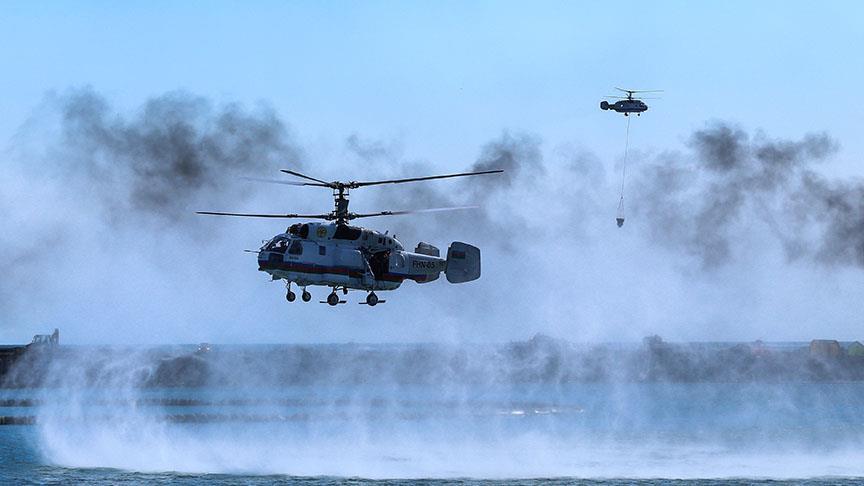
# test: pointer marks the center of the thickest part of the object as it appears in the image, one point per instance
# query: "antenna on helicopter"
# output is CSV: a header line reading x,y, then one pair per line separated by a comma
x,y
340,214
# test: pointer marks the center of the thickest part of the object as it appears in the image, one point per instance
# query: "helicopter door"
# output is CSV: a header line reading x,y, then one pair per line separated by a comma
x,y
380,263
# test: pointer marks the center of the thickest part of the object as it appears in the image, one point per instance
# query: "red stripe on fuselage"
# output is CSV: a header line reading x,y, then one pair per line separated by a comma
x,y
264,265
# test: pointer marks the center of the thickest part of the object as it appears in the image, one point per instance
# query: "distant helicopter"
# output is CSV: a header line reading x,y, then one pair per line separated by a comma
x,y
343,257
629,104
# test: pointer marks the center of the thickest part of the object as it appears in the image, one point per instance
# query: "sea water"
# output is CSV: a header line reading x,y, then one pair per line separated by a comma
x,y
605,433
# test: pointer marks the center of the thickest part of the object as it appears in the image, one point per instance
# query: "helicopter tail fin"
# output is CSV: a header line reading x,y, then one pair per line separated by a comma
x,y
463,263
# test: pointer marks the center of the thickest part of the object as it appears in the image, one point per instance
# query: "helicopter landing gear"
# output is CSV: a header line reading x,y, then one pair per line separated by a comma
x,y
290,296
306,296
333,299
372,300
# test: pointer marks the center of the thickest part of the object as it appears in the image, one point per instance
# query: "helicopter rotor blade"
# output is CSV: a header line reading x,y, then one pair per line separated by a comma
x,y
254,215
277,181
297,174
411,211
639,90
426,178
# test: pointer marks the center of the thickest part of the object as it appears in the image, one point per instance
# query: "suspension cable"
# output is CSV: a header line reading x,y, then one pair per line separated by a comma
x,y
620,216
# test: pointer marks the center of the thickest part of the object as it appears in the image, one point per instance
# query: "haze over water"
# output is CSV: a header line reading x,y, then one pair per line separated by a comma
x,y
391,412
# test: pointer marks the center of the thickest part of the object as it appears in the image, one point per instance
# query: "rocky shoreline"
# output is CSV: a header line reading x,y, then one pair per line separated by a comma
x,y
539,360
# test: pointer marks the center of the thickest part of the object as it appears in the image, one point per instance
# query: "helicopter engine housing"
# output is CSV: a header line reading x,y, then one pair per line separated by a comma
x,y
427,249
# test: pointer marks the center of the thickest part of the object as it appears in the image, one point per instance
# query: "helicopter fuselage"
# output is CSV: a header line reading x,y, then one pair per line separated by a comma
x,y
625,106
347,257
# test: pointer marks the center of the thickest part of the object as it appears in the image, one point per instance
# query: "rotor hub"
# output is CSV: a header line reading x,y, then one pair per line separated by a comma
x,y
340,189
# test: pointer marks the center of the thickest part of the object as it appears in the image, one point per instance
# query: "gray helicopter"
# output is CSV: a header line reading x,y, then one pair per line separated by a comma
x,y
338,255
628,104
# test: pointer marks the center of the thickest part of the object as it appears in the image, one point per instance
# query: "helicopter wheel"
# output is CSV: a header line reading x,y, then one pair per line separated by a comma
x,y
371,299
290,296
306,296
333,299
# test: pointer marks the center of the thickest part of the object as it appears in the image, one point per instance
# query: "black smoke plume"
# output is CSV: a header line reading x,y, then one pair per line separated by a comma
x,y
368,150
177,150
521,158
96,169
837,209
700,203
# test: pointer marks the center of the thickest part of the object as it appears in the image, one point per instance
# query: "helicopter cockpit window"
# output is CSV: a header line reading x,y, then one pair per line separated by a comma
x,y
278,244
345,232
296,248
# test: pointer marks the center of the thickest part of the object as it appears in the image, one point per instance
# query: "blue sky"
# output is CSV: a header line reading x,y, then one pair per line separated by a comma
x,y
439,80
446,76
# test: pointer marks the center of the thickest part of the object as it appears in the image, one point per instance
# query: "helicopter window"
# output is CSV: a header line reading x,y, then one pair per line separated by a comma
x,y
322,250
304,231
296,248
380,240
345,232
278,244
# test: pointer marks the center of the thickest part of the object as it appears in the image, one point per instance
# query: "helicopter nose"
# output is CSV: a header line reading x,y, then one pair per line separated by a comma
x,y
268,260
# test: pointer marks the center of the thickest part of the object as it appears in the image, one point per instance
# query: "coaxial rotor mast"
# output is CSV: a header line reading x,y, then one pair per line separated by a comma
x,y
340,213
